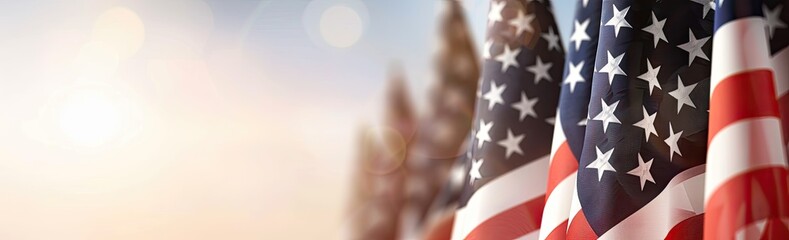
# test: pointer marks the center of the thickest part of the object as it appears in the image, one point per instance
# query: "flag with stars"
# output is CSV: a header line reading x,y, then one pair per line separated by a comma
x,y
641,168
569,134
504,191
776,14
439,148
746,189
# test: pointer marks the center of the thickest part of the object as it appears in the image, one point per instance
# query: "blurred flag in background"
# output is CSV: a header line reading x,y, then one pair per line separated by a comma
x,y
444,126
379,177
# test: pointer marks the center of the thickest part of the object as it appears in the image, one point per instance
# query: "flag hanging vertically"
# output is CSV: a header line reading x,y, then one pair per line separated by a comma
x,y
445,125
504,191
568,137
379,178
746,187
641,170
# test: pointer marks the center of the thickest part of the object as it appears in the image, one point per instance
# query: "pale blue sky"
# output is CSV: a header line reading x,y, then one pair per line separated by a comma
x,y
401,31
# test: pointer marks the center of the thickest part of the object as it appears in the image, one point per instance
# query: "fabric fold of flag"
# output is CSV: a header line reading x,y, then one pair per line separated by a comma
x,y
641,168
746,191
571,120
504,191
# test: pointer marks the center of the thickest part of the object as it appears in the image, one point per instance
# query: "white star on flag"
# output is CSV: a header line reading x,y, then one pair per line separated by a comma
x,y
507,58
682,94
601,163
618,20
483,134
512,144
648,124
708,5
612,67
643,171
673,142
494,95
607,115
486,49
693,47
579,34
656,29
495,12
474,172
540,70
522,23
651,77
526,106
574,76
552,39
773,18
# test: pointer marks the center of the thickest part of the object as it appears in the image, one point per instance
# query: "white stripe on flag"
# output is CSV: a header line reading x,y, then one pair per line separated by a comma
x,y
729,41
575,205
557,206
743,146
674,204
558,136
509,190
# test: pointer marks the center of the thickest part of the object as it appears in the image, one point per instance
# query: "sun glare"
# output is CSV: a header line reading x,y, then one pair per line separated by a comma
x,y
341,26
122,29
90,118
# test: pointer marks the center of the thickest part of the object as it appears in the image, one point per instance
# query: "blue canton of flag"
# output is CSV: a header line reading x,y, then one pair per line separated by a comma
x,y
644,149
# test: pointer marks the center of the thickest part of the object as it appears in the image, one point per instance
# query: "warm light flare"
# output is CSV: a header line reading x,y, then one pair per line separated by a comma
x,y
90,118
122,29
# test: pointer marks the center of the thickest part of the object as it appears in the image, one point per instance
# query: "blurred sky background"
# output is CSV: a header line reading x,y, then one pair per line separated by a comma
x,y
198,119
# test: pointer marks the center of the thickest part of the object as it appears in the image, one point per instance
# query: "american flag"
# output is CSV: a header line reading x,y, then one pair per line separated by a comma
x,y
746,189
569,134
641,168
379,176
504,190
442,132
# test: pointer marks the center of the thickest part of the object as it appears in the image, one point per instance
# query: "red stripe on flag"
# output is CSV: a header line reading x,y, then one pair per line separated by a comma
x,y
563,164
441,230
751,196
775,229
511,223
558,233
580,229
689,229
742,96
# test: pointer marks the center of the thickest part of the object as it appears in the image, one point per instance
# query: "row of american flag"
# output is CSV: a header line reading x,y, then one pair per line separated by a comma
x,y
664,119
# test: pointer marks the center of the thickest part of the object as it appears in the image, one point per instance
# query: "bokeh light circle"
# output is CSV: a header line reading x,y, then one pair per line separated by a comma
x,y
120,28
336,24
384,150
340,26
